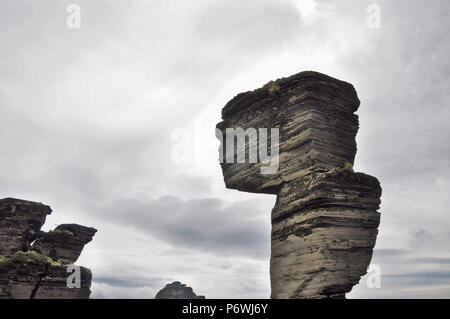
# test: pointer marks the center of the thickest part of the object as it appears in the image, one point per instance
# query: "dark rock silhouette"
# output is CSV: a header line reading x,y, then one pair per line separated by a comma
x,y
34,264
325,220
177,290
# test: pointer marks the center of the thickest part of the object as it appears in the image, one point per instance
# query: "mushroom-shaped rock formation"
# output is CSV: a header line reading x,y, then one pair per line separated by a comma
x,y
39,270
65,243
325,219
177,290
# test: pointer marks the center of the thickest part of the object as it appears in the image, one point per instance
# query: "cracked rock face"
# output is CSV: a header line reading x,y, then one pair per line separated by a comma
x,y
177,290
325,220
34,264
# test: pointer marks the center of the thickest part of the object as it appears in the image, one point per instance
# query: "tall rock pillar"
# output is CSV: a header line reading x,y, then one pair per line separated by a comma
x,y
325,220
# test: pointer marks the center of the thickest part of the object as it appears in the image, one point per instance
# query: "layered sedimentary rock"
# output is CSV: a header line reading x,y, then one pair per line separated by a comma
x,y
34,264
177,290
20,224
325,220
65,242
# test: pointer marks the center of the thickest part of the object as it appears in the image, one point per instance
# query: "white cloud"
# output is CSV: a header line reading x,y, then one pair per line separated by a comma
x,y
305,7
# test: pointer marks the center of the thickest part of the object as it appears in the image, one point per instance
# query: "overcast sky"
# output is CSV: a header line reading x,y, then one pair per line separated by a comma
x,y
87,118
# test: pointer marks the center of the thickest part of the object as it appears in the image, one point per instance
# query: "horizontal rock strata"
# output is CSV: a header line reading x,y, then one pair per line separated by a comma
x,y
65,242
20,223
34,264
325,220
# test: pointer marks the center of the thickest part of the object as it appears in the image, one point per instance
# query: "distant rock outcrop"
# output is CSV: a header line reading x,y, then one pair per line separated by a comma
x,y
325,219
177,290
34,264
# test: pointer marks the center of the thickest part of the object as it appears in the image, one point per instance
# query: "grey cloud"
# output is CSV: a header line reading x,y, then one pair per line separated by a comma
x,y
247,25
423,275
433,260
199,224
404,105
406,274
420,237
194,184
155,283
388,252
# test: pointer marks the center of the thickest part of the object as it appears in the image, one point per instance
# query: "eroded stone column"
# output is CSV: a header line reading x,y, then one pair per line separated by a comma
x,y
325,221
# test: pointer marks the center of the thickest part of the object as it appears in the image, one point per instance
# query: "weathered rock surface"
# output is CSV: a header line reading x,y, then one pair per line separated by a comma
x,y
177,290
39,270
65,243
20,223
325,220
